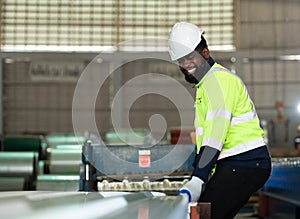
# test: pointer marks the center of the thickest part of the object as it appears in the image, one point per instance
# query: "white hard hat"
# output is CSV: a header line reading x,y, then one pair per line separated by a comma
x,y
183,39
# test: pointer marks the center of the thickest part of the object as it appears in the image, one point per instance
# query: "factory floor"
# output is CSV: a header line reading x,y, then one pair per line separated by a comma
x,y
245,216
250,210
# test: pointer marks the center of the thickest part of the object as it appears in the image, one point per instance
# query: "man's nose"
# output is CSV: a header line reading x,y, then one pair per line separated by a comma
x,y
184,62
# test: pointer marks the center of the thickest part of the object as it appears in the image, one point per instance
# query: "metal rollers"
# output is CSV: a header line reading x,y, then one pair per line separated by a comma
x,y
17,168
65,161
17,163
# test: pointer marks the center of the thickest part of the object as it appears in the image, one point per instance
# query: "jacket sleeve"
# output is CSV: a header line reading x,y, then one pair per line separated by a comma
x,y
205,161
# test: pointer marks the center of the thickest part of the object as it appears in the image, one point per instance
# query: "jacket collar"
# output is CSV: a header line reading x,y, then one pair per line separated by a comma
x,y
211,62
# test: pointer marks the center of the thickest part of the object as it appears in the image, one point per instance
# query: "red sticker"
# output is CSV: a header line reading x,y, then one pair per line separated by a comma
x,y
144,158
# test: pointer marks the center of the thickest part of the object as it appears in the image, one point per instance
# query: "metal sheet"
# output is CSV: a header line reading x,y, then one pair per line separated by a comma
x,y
29,204
169,207
61,205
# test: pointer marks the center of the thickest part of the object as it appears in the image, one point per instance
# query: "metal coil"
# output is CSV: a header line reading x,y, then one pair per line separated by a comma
x,y
19,170
64,161
18,163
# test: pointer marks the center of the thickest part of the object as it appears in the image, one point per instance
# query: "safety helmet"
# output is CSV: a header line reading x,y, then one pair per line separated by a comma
x,y
183,39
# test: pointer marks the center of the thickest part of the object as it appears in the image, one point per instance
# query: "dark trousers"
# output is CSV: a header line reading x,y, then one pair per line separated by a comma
x,y
230,188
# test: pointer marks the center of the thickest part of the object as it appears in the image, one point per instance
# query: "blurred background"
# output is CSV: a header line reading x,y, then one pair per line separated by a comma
x,y
46,46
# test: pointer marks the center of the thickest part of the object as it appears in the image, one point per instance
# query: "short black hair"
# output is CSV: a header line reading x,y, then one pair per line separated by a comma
x,y
202,45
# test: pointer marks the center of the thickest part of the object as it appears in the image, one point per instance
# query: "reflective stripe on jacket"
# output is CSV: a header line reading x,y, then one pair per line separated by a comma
x,y
225,115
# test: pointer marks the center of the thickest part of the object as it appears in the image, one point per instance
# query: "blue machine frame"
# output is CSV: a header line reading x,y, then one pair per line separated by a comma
x,y
281,191
124,161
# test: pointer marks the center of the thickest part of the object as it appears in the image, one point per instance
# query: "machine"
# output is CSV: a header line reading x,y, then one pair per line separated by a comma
x,y
163,168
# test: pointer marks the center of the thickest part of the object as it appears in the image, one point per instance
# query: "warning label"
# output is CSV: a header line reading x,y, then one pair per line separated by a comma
x,y
144,158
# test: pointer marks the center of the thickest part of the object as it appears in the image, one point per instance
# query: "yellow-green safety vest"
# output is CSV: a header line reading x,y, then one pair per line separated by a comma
x,y
225,117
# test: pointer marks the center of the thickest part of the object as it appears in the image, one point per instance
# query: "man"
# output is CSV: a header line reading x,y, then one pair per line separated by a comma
x,y
228,135
297,139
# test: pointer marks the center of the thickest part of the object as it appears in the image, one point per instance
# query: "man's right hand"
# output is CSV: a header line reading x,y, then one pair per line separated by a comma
x,y
192,188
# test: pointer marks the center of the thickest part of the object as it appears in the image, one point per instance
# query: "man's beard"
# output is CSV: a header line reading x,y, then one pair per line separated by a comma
x,y
189,78
197,76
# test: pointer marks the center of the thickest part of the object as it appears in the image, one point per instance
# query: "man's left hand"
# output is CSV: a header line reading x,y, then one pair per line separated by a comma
x,y
192,188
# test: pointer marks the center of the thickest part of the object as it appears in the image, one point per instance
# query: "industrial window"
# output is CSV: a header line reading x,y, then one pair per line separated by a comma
x,y
90,25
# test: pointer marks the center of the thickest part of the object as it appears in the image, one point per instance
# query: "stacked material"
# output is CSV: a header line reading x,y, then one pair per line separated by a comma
x,y
64,153
62,166
18,170
64,161
24,143
44,163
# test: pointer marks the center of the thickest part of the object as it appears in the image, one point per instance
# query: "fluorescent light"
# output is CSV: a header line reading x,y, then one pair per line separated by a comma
x,y
108,49
290,57
44,48
298,107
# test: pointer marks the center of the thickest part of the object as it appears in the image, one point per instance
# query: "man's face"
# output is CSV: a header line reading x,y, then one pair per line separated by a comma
x,y
193,66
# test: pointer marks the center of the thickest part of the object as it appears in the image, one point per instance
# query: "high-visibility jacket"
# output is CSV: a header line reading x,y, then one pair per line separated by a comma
x,y
225,117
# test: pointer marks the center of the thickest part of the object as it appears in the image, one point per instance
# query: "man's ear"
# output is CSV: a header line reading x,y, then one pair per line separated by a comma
x,y
205,53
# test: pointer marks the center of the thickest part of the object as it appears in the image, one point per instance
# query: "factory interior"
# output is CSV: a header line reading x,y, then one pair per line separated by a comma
x,y
96,121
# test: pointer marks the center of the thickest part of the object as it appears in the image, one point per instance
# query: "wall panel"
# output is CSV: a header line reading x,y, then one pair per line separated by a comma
x,y
41,104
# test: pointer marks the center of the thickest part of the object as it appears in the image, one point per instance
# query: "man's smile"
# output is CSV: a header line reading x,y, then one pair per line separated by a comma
x,y
191,71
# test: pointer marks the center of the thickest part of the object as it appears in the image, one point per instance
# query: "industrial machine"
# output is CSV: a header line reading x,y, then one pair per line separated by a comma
x,y
116,181
163,168
136,169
